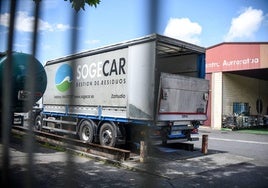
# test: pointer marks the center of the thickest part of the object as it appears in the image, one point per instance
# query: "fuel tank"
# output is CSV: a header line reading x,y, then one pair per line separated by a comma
x,y
20,92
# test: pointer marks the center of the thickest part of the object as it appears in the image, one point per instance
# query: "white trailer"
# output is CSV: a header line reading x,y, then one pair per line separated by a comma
x,y
105,95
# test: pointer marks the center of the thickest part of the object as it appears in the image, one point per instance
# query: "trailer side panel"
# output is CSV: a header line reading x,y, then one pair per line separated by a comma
x,y
98,81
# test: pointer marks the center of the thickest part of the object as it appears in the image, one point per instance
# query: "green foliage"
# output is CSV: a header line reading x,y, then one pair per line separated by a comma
x,y
78,4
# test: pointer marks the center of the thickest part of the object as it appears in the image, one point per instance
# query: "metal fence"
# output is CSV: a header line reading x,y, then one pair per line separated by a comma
x,y
7,103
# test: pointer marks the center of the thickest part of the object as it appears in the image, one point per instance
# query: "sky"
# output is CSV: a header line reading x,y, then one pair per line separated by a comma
x,y
201,22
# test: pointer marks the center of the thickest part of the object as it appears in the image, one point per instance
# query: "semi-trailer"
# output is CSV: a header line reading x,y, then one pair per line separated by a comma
x,y
150,85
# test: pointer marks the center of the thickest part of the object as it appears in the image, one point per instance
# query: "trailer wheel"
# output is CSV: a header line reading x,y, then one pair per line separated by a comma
x,y
107,135
86,131
37,123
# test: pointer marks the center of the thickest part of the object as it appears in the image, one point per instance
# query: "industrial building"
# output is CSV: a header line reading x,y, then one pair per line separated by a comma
x,y
238,74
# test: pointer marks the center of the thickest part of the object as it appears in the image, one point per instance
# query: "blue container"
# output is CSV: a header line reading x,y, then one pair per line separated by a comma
x,y
241,108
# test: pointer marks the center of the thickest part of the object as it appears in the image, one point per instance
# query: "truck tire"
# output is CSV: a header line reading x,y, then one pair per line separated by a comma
x,y
107,135
37,123
86,131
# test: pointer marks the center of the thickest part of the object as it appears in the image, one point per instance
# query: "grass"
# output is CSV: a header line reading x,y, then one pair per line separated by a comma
x,y
255,130
52,146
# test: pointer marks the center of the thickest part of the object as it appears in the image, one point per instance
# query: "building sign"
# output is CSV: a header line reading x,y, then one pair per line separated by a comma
x,y
233,56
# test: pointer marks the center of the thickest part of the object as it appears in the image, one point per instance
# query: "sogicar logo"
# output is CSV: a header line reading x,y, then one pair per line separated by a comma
x,y
64,77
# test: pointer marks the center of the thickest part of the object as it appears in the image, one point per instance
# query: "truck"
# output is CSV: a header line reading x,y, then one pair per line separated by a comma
x,y
22,96
117,93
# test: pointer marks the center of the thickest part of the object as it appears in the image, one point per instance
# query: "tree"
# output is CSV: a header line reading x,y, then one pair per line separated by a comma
x,y
78,4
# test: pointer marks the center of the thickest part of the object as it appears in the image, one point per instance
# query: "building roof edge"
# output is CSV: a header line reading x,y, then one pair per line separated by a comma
x,y
227,43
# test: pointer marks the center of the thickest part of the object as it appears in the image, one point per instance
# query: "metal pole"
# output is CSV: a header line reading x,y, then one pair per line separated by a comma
x,y
69,168
30,84
6,112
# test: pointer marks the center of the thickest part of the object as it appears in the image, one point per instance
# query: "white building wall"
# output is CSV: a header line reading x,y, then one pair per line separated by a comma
x,y
216,100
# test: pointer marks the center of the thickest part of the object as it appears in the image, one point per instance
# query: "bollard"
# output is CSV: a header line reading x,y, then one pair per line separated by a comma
x,y
205,144
143,152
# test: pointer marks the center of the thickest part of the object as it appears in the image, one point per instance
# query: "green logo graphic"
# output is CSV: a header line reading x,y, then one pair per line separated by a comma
x,y
64,77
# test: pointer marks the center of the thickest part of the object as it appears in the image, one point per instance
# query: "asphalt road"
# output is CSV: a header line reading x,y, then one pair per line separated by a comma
x,y
234,160
254,146
252,173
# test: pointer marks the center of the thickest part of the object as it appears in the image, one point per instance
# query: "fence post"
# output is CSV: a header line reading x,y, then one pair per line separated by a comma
x,y
205,144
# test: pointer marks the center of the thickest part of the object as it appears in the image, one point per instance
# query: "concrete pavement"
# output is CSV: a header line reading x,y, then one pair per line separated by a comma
x,y
229,162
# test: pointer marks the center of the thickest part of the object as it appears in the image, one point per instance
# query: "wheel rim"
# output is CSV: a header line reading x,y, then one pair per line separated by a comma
x,y
107,136
37,124
86,133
